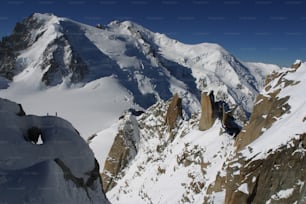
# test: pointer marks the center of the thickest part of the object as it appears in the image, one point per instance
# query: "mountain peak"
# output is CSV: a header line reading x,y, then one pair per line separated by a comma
x,y
50,52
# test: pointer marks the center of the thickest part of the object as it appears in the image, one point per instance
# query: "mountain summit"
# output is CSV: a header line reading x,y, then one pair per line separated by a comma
x,y
49,51
265,163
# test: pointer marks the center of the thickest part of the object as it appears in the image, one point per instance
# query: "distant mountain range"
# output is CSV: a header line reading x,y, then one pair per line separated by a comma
x,y
50,51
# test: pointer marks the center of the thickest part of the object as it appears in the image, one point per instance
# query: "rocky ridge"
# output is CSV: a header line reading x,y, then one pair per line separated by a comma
x,y
211,166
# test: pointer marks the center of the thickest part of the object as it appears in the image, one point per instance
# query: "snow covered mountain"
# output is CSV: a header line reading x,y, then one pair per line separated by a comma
x,y
89,75
264,164
44,160
136,95
46,51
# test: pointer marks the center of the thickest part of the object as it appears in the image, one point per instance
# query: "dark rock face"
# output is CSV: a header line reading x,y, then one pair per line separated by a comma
x,y
228,121
283,170
20,39
296,65
174,111
122,151
58,68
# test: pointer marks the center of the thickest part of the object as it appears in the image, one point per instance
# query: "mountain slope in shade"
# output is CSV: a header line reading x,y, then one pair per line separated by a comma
x,y
89,76
44,160
264,164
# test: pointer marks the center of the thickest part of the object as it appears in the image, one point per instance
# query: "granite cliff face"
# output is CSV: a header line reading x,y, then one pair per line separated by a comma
x,y
274,170
208,111
211,110
123,150
174,111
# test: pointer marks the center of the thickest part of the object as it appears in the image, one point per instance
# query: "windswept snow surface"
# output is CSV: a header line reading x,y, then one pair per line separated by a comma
x,y
44,173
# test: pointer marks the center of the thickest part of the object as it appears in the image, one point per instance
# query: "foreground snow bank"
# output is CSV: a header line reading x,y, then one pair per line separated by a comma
x,y
44,160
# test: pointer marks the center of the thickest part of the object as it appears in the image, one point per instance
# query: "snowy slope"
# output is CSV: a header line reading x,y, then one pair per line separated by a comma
x,y
90,75
290,83
260,71
178,171
91,108
210,166
270,160
61,168
165,179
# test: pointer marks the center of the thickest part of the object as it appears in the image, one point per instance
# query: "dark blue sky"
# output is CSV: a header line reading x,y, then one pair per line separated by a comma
x,y
272,31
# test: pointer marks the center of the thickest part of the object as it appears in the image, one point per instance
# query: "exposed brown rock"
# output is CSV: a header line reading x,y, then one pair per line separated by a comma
x,y
266,110
208,115
265,113
281,170
296,65
115,162
174,111
122,151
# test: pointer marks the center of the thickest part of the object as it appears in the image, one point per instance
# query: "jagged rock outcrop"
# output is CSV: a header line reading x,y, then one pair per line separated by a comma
x,y
211,110
228,121
269,165
208,111
19,40
296,65
174,111
269,107
122,151
210,166
60,61
278,178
